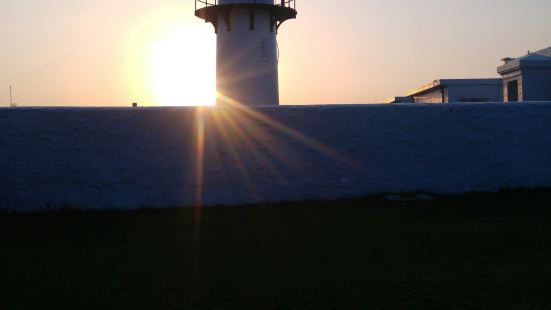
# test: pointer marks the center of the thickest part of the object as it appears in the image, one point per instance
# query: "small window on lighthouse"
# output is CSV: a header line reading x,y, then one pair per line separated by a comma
x,y
263,49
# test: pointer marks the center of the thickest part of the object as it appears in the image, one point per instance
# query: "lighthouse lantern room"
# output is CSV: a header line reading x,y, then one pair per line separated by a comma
x,y
247,51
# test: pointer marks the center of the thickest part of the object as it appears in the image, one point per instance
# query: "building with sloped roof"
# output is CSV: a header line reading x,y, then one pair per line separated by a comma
x,y
458,90
527,78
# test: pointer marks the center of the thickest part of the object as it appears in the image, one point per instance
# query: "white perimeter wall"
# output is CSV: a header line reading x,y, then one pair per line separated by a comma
x,y
148,157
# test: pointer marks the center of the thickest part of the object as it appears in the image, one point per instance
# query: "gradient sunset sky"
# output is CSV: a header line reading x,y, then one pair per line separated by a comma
x,y
115,52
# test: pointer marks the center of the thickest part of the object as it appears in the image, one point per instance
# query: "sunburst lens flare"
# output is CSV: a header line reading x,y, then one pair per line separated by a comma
x,y
297,135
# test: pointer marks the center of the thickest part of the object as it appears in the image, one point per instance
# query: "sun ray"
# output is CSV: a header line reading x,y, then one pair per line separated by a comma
x,y
223,131
199,161
253,140
320,147
249,142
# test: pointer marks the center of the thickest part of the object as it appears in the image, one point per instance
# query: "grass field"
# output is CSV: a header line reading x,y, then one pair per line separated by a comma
x,y
481,252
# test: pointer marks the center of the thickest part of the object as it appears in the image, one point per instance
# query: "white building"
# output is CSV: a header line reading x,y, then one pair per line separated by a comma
x,y
456,90
527,78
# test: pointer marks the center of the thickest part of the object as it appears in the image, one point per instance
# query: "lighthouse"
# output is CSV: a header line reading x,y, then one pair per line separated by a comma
x,y
247,53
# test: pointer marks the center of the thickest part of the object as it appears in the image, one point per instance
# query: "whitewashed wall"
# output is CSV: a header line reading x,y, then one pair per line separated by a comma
x,y
147,157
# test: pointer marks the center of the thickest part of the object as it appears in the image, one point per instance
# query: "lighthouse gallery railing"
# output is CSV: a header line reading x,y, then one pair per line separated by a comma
x,y
206,3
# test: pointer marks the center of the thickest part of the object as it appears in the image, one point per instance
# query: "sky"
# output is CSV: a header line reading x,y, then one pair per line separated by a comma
x,y
156,52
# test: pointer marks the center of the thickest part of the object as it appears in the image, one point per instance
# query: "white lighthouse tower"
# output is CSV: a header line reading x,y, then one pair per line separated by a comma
x,y
247,52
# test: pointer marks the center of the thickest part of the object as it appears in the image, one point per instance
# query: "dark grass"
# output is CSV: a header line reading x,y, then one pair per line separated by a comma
x,y
479,252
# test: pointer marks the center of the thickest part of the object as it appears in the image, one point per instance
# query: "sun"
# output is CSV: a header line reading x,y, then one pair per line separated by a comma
x,y
182,67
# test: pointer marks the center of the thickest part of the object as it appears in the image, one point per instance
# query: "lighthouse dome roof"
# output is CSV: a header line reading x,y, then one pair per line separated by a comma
x,y
245,1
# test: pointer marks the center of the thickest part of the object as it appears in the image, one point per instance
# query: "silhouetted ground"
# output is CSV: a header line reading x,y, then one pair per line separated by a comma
x,y
480,252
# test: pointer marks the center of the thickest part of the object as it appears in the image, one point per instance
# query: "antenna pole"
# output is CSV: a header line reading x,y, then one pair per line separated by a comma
x,y
11,99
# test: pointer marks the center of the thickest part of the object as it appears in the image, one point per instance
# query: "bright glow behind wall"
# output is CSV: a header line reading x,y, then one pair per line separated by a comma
x,y
182,67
